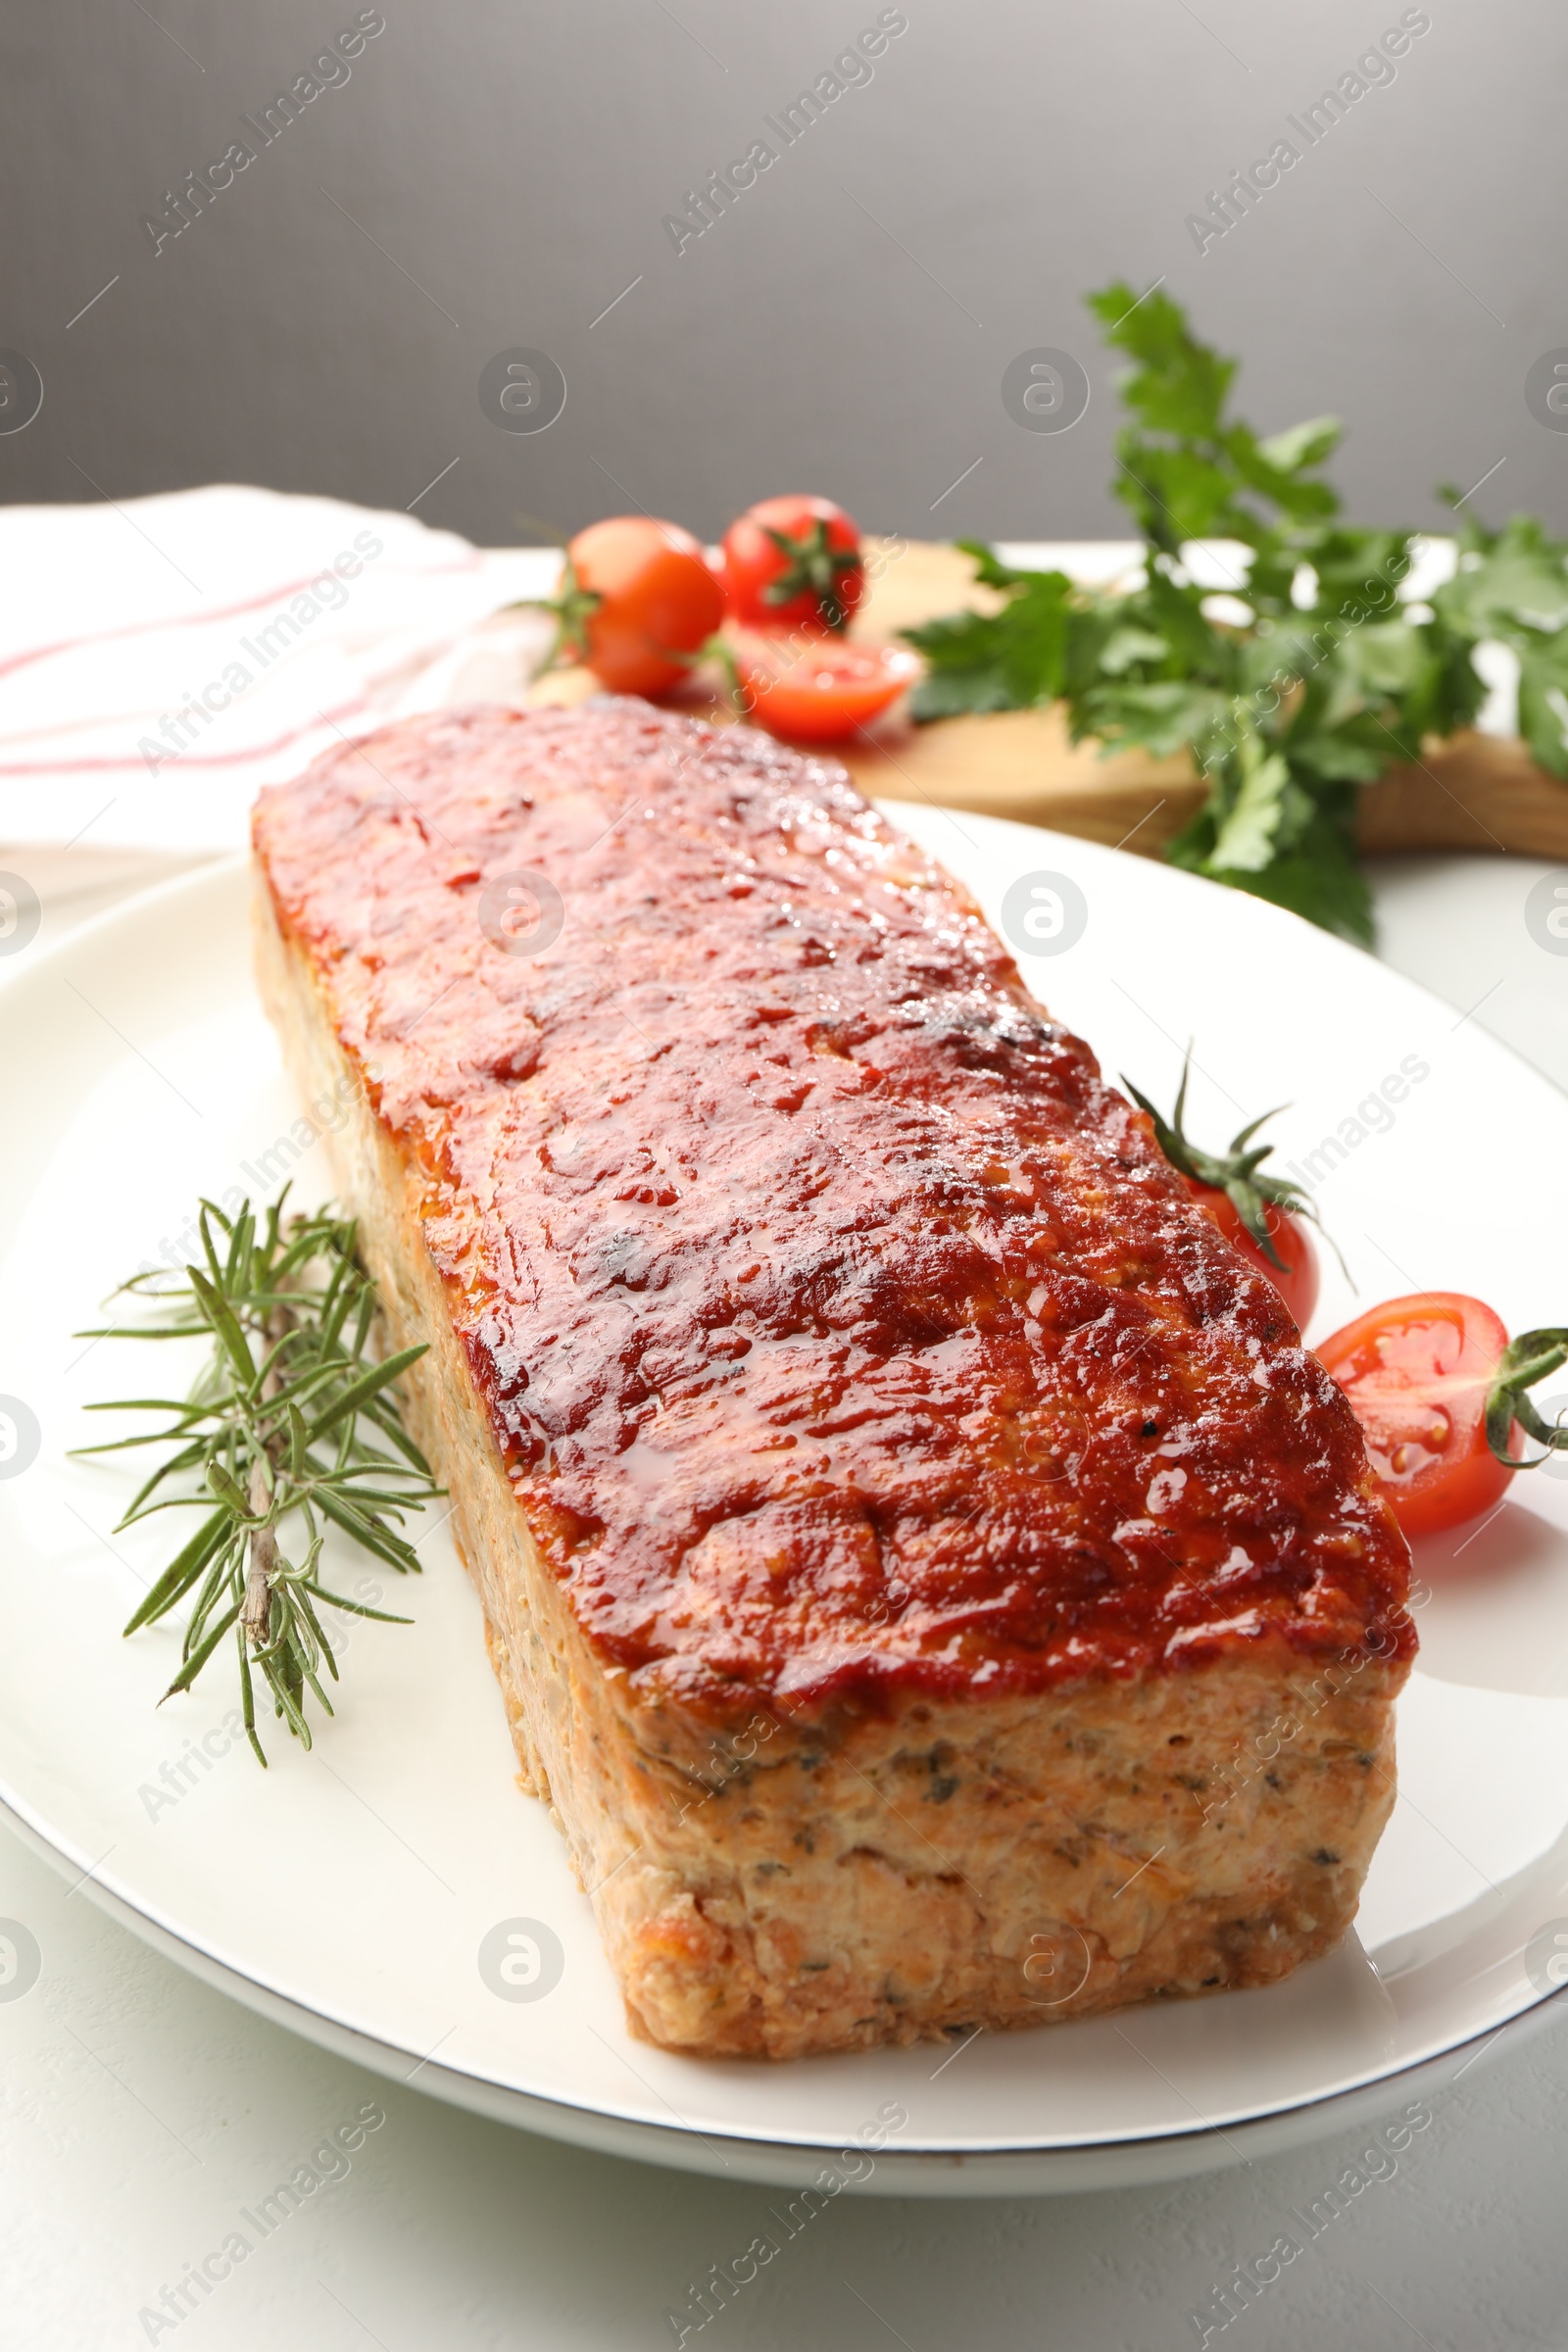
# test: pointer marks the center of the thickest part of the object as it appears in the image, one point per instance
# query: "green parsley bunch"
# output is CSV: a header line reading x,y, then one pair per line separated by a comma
x,y
1314,675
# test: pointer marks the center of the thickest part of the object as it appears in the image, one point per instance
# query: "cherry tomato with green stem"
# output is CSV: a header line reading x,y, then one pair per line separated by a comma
x,y
638,602
793,563
1265,1217
1441,1392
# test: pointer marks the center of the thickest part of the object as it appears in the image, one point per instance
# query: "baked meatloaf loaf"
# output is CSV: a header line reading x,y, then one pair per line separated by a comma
x,y
928,1576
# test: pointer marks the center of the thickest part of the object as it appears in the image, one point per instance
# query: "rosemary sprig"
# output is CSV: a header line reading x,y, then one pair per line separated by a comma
x,y
276,1425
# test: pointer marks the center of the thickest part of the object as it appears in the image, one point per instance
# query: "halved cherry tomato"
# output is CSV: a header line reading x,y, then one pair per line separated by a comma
x,y
1297,1282
793,563
637,595
1418,1372
819,689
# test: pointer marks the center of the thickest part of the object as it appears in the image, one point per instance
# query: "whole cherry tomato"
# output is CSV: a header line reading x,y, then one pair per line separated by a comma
x,y
637,595
1260,1215
793,563
1296,1278
819,689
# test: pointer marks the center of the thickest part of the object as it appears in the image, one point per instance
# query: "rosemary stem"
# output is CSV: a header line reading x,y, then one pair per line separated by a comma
x,y
255,1617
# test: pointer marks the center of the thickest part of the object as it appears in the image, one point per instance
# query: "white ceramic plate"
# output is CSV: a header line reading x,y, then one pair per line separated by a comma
x,y
350,1892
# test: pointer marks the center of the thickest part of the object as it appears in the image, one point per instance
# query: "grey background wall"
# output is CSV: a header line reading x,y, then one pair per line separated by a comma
x,y
493,176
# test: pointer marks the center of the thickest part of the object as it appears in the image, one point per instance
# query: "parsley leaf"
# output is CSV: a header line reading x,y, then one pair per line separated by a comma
x,y
1311,678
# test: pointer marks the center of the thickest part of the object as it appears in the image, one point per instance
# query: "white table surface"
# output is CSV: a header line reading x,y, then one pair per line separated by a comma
x,y
138,2110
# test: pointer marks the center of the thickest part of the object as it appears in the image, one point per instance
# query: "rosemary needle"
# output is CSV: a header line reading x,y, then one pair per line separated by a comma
x,y
277,1429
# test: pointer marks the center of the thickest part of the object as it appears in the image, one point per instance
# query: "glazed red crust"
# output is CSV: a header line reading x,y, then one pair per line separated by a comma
x,y
843,1332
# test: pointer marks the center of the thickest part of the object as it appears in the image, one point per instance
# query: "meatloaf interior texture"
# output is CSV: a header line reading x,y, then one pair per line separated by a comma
x,y
927,1577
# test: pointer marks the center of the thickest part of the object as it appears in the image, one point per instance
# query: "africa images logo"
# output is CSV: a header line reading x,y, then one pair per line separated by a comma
x,y
182,206
850,70
1043,914
1374,70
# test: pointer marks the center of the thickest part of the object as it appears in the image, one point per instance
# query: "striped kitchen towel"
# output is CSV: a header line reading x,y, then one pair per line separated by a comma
x,y
162,659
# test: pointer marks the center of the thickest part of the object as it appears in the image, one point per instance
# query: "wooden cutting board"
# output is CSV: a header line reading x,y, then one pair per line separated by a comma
x,y
1471,792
